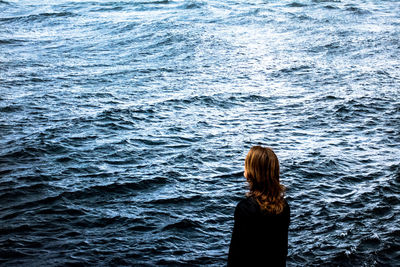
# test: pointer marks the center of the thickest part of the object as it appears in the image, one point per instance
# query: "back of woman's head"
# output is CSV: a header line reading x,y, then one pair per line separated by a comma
x,y
262,174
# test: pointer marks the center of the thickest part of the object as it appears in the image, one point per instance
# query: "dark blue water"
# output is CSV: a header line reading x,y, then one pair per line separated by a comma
x,y
124,126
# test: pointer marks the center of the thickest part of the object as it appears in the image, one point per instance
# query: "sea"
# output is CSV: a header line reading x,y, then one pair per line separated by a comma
x,y
124,126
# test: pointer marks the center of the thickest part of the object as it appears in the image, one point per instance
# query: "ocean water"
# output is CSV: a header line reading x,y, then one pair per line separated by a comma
x,y
124,126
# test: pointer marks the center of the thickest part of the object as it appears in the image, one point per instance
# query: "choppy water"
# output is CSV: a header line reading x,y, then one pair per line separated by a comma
x,y
124,126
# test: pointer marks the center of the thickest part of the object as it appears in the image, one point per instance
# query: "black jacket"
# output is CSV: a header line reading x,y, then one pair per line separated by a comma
x,y
259,238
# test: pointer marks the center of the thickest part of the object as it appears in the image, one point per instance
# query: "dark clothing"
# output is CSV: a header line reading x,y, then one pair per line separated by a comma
x,y
259,238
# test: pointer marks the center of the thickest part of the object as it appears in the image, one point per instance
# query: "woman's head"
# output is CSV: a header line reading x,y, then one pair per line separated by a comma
x,y
262,174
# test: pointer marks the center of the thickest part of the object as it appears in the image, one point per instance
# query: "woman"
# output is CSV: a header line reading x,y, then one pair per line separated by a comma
x,y
260,232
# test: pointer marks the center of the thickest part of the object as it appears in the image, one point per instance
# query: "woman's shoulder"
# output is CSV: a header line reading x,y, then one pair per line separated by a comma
x,y
247,206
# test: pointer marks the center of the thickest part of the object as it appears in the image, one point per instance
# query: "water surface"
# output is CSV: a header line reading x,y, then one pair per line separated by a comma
x,y
124,126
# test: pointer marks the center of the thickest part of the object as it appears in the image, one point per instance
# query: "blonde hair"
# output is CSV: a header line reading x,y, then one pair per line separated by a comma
x,y
262,174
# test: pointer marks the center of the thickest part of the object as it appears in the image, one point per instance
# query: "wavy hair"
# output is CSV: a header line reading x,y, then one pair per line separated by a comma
x,y
262,174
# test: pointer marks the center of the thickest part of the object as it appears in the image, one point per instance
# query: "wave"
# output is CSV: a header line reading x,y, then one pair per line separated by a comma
x,y
96,191
192,5
297,4
11,108
38,17
357,10
152,2
178,200
12,41
326,1
183,224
